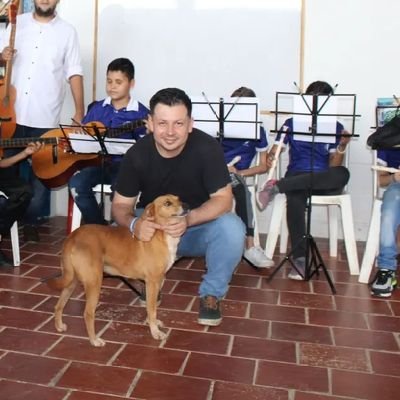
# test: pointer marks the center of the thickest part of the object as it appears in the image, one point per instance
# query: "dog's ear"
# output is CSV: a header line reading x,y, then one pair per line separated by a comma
x,y
149,211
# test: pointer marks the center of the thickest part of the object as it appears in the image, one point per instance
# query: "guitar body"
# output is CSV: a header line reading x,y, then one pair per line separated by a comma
x,y
7,100
54,166
7,91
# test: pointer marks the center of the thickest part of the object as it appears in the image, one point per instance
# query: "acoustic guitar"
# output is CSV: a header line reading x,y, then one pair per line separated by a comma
x,y
7,91
56,162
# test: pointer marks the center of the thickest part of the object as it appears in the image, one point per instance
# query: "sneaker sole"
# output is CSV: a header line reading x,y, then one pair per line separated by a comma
x,y
296,277
381,294
269,265
209,322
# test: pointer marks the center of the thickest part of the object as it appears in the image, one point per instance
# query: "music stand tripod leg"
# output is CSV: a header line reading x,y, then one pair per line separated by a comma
x,y
316,259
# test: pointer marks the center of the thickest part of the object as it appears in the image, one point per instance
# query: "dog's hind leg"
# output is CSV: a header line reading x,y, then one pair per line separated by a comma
x,y
92,290
62,301
152,290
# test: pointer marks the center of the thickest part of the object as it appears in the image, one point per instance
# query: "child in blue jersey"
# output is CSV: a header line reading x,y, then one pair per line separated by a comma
x,y
246,149
385,280
329,177
117,109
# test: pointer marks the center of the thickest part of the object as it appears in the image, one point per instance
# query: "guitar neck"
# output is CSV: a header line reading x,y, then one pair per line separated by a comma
x,y
130,126
9,63
23,142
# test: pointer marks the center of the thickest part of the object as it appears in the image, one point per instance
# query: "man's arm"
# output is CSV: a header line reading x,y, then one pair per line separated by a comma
x,y
76,83
219,203
122,209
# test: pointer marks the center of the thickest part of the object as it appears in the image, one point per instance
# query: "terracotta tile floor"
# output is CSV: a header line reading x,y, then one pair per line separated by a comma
x,y
282,340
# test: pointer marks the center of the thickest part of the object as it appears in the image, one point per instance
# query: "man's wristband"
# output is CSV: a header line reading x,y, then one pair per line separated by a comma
x,y
132,224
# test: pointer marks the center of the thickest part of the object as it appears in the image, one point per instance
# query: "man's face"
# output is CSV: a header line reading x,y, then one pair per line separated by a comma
x,y
45,8
171,127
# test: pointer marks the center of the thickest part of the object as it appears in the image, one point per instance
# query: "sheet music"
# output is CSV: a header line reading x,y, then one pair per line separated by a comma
x,y
325,124
241,116
82,143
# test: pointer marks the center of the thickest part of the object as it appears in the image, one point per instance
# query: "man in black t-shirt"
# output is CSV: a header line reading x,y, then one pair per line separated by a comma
x,y
177,159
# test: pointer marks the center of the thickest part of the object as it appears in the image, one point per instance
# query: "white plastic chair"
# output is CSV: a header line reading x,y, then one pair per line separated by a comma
x,y
76,213
278,226
14,241
372,244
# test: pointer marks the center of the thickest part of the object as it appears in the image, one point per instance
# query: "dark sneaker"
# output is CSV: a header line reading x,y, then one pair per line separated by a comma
x,y
209,312
267,194
384,283
5,261
300,264
142,298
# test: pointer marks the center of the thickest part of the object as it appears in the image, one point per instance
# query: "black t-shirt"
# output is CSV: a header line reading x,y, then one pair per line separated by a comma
x,y
198,171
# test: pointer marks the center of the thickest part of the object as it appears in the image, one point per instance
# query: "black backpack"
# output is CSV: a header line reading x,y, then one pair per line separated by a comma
x,y
386,136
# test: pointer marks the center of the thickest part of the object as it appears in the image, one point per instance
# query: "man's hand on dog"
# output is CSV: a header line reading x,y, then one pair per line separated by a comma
x,y
146,227
176,226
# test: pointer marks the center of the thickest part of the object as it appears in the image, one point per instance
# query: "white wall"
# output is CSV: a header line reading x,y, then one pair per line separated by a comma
x,y
344,41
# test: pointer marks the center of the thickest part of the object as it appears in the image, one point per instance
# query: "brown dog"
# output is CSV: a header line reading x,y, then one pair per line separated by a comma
x,y
93,249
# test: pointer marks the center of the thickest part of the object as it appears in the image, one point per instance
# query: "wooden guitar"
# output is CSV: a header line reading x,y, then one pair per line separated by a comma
x,y
56,162
7,91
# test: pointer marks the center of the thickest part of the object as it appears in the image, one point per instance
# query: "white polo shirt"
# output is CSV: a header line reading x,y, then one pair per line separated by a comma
x,y
47,56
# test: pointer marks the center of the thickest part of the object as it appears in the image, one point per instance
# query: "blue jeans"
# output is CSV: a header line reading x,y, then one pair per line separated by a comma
x,y
221,242
390,221
81,184
39,207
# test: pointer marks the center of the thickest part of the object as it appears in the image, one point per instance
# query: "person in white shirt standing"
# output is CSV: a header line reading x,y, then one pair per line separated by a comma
x,y
46,58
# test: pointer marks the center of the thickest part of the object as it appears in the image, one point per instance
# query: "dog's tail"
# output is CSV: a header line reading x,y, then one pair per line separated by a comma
x,y
61,282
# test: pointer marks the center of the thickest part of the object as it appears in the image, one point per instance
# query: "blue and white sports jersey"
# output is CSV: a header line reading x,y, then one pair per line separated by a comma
x,y
244,148
389,158
301,156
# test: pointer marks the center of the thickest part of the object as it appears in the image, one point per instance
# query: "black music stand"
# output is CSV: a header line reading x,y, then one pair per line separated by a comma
x,y
92,139
233,118
313,258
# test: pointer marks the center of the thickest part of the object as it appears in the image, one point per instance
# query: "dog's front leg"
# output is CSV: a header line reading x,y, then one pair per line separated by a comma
x,y
152,290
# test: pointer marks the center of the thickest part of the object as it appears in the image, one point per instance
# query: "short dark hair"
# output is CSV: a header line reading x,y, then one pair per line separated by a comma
x,y
243,91
124,65
171,97
319,87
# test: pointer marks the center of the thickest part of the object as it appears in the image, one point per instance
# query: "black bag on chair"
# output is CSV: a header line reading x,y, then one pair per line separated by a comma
x,y
386,136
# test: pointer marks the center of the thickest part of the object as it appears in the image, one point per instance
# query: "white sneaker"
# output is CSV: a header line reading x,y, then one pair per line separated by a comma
x,y
256,256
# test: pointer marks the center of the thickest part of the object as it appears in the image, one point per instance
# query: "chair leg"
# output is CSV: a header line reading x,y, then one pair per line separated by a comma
x,y
284,234
349,237
254,207
333,230
372,244
278,208
15,244
76,217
